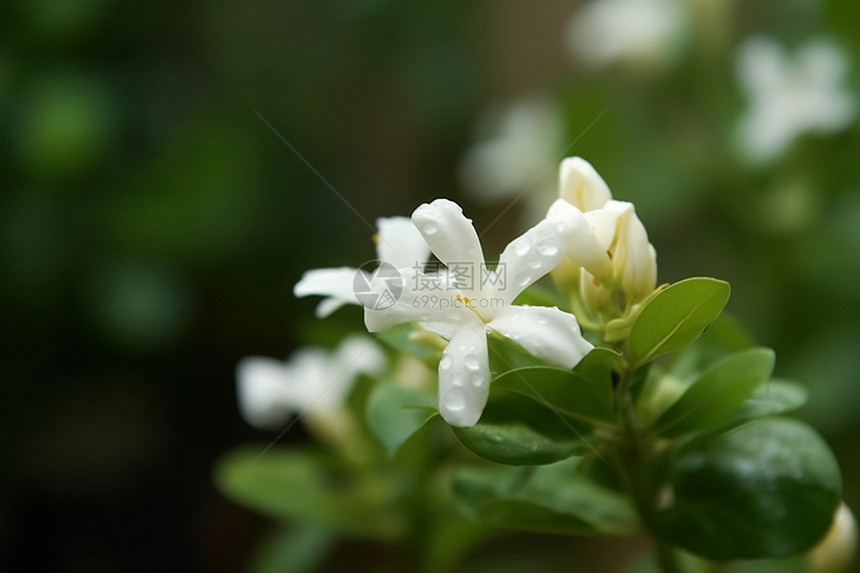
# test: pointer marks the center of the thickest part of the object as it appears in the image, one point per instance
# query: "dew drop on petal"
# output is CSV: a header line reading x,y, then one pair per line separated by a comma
x,y
454,400
521,248
457,380
548,249
430,228
478,380
462,348
542,321
472,363
523,279
445,363
534,263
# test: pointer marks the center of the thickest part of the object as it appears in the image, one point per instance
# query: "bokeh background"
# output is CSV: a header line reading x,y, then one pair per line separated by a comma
x,y
152,224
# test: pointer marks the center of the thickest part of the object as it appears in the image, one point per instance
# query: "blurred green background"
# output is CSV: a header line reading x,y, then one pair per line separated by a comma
x,y
153,226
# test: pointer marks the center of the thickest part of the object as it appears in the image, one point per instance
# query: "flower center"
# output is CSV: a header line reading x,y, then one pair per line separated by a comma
x,y
467,302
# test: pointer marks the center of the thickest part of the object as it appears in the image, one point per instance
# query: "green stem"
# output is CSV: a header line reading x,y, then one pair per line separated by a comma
x,y
633,455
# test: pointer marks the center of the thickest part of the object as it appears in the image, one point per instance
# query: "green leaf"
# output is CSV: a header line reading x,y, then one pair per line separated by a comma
x,y
774,397
676,316
718,393
394,413
506,355
556,498
298,549
413,341
768,489
515,430
294,484
569,393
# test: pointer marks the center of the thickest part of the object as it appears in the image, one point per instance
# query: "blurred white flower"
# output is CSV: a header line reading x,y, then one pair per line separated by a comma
x,y
835,553
313,382
637,32
467,301
790,96
517,148
398,243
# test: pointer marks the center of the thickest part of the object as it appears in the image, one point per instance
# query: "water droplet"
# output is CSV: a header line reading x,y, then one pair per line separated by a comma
x,y
515,336
472,362
534,263
462,348
478,380
542,321
548,249
521,248
430,229
457,380
445,363
560,227
454,400
524,279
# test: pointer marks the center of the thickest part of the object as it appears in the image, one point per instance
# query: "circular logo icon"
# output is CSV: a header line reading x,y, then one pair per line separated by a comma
x,y
377,286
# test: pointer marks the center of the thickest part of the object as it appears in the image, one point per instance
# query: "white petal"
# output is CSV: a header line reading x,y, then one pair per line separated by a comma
x,y
425,298
529,257
400,244
604,221
464,377
762,66
327,306
581,185
635,258
263,392
583,247
547,333
451,236
335,283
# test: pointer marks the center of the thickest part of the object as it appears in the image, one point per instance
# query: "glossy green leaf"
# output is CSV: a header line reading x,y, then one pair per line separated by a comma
x,y
676,316
718,393
557,498
767,489
506,355
568,392
394,413
516,430
295,484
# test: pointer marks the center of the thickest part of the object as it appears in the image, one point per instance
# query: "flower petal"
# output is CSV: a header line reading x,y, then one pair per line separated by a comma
x,y
583,247
581,185
400,244
451,236
335,283
425,298
263,392
529,257
547,333
464,377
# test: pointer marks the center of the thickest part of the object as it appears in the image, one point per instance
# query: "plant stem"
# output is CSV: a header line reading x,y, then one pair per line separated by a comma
x,y
633,454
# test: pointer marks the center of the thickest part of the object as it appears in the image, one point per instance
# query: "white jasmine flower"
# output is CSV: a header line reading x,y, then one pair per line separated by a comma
x,y
517,149
398,243
464,303
790,97
313,381
619,254
638,32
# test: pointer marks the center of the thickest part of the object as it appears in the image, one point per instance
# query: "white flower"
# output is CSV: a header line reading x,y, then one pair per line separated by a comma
x,y
790,97
518,147
466,302
619,254
313,381
638,32
398,243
